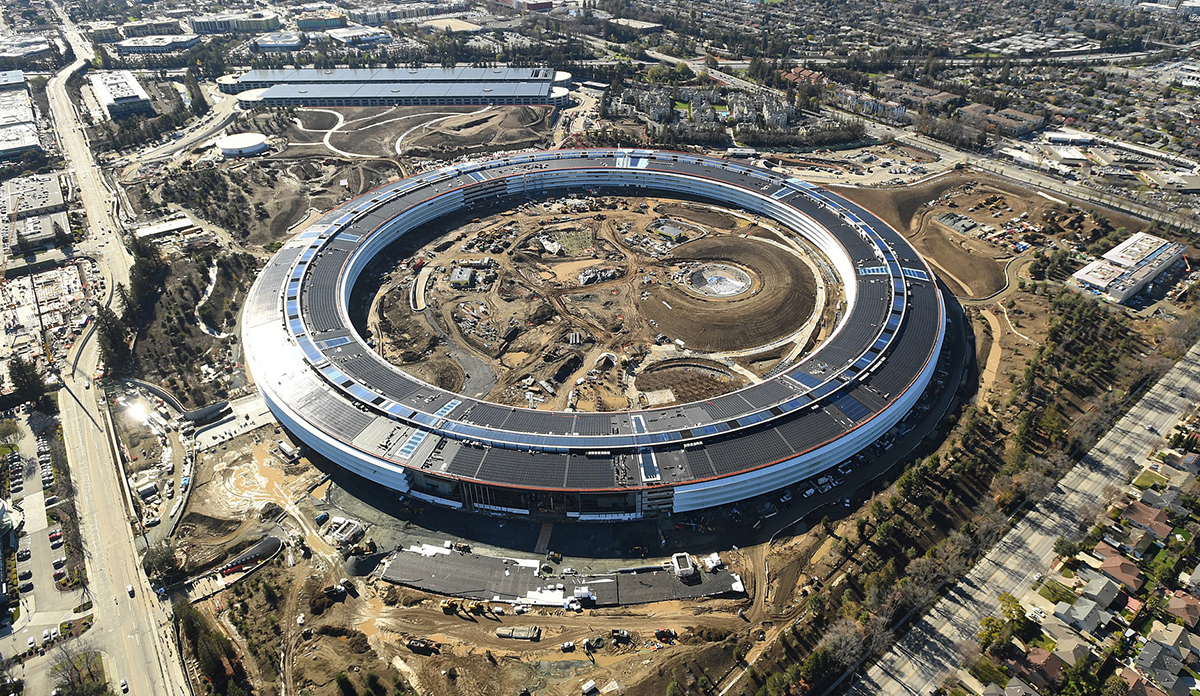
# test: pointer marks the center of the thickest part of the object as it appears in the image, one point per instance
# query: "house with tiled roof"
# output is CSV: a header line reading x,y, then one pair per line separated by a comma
x,y
1148,518
1123,571
1185,606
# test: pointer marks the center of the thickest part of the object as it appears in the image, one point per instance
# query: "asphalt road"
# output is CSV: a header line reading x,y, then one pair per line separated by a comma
x,y
132,633
917,661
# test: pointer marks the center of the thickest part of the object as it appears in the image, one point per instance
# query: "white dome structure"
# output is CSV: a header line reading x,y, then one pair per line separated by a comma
x,y
241,144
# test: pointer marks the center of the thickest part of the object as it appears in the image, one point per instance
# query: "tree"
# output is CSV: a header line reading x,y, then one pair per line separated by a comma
x,y
990,632
195,93
75,672
1010,606
10,432
1080,678
817,665
845,642
159,559
1065,548
1115,686
816,605
345,686
26,381
112,335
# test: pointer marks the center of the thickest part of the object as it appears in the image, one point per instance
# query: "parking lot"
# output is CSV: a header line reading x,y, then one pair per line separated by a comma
x,y
40,553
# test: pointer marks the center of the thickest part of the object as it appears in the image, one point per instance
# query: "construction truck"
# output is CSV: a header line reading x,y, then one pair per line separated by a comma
x,y
449,606
421,645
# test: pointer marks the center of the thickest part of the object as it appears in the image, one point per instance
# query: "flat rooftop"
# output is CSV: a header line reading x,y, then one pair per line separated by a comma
x,y
1099,273
418,90
31,193
1135,250
393,75
117,86
12,78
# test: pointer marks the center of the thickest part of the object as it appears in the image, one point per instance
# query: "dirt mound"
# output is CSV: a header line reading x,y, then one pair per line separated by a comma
x,y
199,525
786,293
898,206
316,120
689,381
504,127
712,218
970,272
968,267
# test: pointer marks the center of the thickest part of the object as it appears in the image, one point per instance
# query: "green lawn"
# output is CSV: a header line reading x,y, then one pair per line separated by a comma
x,y
1147,479
1043,641
1057,592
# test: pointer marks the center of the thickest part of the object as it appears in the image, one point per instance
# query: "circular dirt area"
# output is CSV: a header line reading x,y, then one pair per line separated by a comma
x,y
719,280
784,300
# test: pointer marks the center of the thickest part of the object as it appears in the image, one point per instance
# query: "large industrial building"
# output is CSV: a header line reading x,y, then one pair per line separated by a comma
x,y
157,44
379,15
24,46
278,41
18,122
151,27
399,86
230,22
119,92
347,403
1130,266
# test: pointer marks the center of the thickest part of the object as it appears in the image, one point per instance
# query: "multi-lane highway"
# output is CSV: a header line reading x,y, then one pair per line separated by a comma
x,y
922,657
132,632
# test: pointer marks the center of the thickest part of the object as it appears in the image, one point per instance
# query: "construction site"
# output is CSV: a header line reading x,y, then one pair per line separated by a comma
x,y
598,303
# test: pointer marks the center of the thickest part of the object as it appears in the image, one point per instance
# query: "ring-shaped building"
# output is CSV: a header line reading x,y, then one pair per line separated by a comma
x,y
347,403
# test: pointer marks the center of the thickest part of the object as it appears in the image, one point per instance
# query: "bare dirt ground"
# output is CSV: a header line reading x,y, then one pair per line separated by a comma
x,y
486,664
498,128
970,264
373,132
585,294
784,302
257,201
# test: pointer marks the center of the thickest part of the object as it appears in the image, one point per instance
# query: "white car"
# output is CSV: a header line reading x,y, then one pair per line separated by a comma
x,y
129,589
124,687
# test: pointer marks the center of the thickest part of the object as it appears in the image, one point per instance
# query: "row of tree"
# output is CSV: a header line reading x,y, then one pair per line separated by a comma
x,y
214,652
